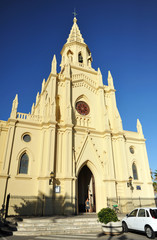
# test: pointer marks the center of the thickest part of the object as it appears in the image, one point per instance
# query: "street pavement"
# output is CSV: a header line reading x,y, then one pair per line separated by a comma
x,y
92,236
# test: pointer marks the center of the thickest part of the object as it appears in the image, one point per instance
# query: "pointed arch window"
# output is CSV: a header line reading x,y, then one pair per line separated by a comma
x,y
134,171
24,160
80,58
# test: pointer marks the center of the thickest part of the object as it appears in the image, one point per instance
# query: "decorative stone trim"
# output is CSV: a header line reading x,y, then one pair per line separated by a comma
x,y
23,177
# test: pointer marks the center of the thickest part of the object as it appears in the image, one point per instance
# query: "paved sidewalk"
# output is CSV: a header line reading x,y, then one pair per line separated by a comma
x,y
124,236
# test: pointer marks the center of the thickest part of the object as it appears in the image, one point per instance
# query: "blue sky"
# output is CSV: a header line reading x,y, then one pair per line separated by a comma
x,y
121,35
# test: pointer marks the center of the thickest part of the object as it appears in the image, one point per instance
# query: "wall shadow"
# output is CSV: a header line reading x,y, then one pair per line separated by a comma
x,y
41,205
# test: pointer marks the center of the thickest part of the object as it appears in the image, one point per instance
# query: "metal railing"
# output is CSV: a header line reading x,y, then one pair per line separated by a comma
x,y
126,205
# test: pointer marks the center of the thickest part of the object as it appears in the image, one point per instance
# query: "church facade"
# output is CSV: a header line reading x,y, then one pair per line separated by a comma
x,y
72,146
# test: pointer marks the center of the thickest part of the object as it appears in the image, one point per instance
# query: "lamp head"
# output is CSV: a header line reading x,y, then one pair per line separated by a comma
x,y
130,179
51,174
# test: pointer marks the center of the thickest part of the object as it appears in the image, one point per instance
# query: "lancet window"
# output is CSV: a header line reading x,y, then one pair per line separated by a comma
x,y
80,58
24,160
134,171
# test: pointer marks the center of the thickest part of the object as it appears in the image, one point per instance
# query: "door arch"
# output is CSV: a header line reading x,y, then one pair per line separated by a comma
x,y
86,188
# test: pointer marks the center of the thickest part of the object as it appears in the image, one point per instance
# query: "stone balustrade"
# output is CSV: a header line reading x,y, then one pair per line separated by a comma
x,y
30,117
83,121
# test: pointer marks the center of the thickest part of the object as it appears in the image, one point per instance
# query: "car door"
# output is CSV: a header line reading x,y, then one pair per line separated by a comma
x,y
141,219
131,219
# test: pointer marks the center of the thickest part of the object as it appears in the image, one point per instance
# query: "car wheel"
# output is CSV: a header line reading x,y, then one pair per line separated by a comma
x,y
149,232
125,227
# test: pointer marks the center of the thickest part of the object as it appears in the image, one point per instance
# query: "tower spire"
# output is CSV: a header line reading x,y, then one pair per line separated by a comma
x,y
139,128
75,51
110,80
54,65
75,34
14,107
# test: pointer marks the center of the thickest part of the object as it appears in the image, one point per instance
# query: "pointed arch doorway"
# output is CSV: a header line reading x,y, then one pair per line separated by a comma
x,y
86,188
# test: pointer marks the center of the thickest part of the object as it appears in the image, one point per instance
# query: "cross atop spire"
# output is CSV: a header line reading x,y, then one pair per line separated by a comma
x,y
75,14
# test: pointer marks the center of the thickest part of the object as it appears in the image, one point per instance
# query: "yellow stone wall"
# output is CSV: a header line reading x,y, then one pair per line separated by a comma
x,y
63,141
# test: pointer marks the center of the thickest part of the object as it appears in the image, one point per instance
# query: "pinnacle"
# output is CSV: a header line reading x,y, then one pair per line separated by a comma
x,y
75,34
75,20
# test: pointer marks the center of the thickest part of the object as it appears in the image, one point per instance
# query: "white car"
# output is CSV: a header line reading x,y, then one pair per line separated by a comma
x,y
141,219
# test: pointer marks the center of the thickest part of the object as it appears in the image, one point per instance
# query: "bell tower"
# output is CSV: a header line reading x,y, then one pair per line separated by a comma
x,y
75,51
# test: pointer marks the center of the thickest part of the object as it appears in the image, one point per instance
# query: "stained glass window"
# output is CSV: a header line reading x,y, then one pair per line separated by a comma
x,y
82,108
132,150
27,138
23,169
134,171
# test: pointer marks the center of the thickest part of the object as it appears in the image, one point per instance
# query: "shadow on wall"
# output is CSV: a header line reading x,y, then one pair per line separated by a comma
x,y
41,205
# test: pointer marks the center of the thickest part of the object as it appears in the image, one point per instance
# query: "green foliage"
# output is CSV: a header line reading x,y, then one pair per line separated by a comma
x,y
107,215
155,175
155,186
154,179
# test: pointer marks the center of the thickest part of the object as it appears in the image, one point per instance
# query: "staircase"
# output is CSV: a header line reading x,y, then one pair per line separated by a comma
x,y
58,225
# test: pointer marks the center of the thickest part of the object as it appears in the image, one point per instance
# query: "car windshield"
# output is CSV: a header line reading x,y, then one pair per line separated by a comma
x,y
153,213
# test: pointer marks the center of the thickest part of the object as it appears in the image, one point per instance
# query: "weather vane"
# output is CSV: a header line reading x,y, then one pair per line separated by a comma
x,y
75,14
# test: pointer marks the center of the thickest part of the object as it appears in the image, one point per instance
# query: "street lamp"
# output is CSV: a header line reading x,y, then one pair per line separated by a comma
x,y
129,183
51,178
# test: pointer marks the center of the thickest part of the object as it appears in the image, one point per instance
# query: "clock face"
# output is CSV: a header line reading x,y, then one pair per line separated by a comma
x,y
82,108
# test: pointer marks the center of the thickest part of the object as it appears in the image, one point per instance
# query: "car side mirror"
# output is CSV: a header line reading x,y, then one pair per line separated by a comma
x,y
127,215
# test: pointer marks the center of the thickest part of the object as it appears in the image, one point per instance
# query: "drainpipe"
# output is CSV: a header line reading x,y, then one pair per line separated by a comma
x,y
114,168
8,171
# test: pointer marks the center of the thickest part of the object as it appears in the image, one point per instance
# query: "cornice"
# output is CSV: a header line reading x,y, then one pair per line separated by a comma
x,y
4,175
150,183
43,178
23,177
53,74
65,178
4,127
137,182
92,131
49,123
65,126
56,178
32,124
117,134
22,122
109,180
135,139
12,121
108,89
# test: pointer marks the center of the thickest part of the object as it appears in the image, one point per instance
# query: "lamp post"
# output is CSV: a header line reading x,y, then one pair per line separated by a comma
x,y
51,178
129,183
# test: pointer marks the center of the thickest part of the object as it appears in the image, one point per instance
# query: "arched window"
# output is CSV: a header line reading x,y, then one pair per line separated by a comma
x,y
23,169
134,171
80,58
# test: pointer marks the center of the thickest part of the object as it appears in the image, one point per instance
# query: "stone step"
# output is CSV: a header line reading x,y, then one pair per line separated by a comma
x,y
53,225
57,224
29,222
58,231
61,218
36,228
